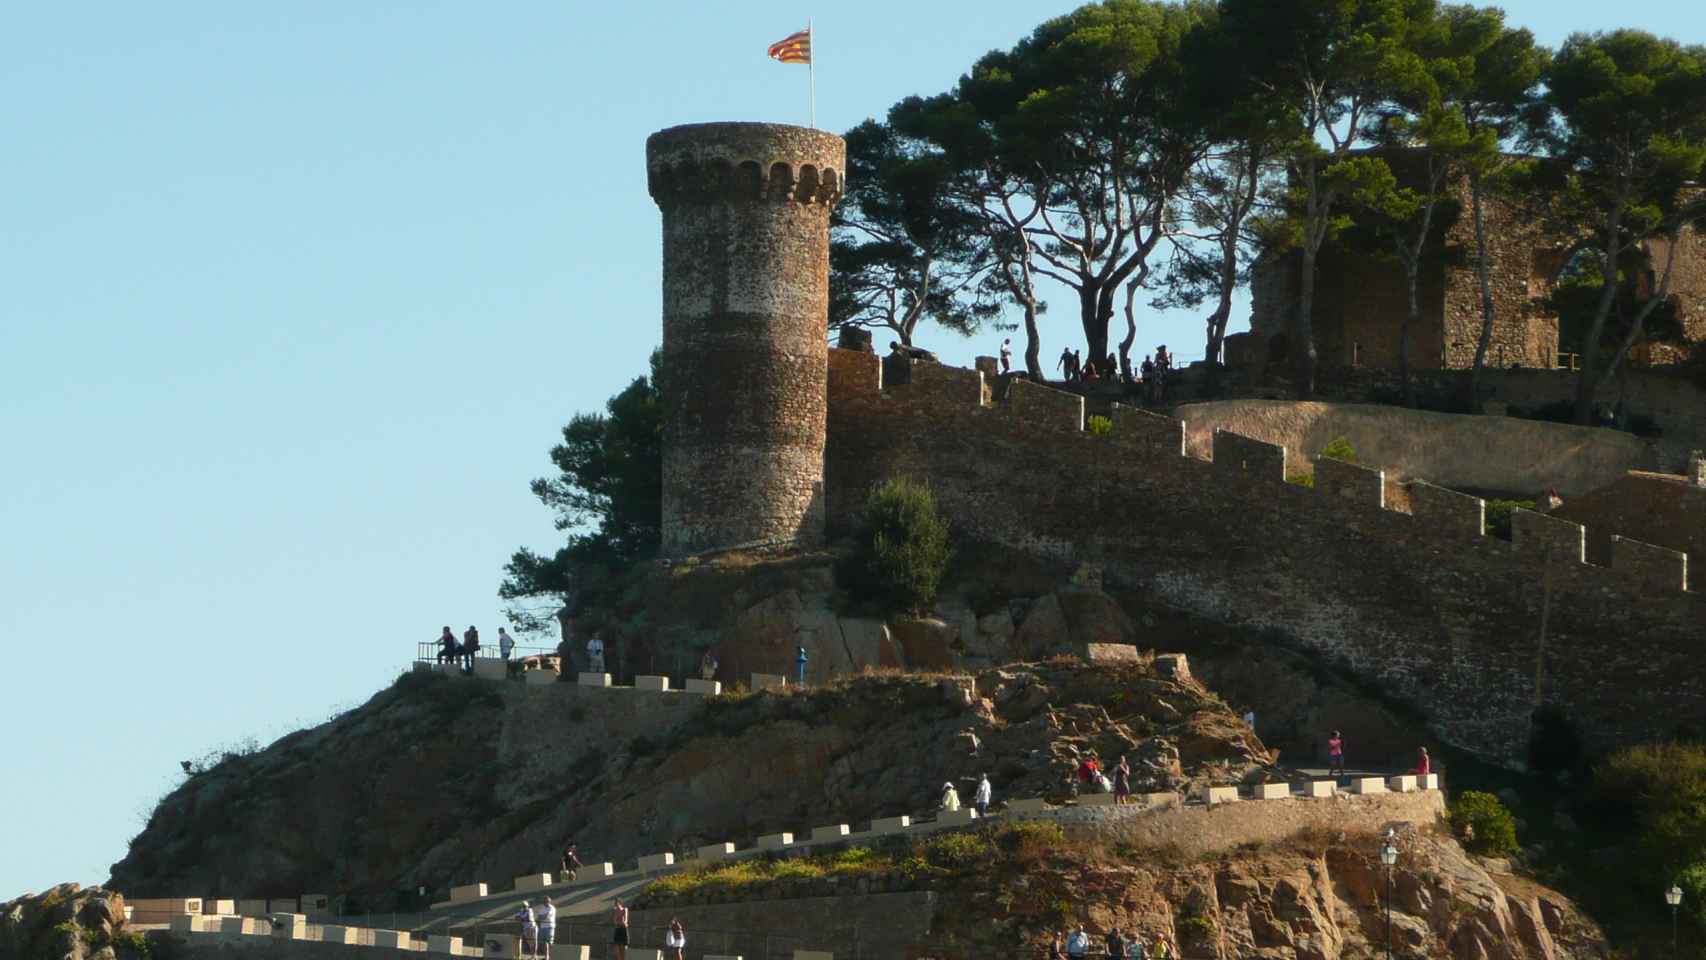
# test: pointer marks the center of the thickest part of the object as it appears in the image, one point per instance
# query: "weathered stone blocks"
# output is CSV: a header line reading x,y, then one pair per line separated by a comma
x,y
1095,799
644,682
471,891
533,881
890,824
394,939
1272,791
1447,512
252,908
439,943
1404,783
707,687
653,862
1368,785
1321,788
1238,457
1538,535
716,851
962,815
834,831
775,841
332,933
1218,795
594,680
1656,569
219,908
540,678
1028,805
1347,481
491,668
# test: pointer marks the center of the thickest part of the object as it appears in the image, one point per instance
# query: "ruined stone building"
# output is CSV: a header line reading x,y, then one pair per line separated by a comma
x,y
1361,298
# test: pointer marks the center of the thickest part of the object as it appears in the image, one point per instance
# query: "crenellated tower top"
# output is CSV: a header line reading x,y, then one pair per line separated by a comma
x,y
723,162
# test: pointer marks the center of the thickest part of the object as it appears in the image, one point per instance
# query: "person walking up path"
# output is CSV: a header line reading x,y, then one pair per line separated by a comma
x,y
1336,755
619,938
547,918
983,795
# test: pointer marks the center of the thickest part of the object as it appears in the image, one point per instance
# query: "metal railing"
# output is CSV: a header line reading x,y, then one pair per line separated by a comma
x,y
429,651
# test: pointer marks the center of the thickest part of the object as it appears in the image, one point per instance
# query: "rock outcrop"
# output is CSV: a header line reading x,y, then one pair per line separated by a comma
x,y
67,922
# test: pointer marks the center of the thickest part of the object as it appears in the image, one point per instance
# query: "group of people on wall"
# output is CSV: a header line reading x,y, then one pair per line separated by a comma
x,y
1149,381
449,651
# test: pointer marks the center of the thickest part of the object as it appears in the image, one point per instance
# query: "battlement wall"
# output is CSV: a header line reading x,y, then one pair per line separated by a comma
x,y
1426,605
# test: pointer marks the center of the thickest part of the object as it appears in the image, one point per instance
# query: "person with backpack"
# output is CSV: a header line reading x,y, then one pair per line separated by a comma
x,y
470,647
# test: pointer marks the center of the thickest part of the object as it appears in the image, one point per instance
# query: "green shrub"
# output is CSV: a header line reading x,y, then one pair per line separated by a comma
x,y
1661,789
1494,827
1339,448
1499,516
901,550
1692,880
1302,480
959,851
1099,426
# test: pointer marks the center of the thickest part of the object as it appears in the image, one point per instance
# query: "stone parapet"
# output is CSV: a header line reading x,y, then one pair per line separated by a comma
x,y
709,688
1347,481
656,684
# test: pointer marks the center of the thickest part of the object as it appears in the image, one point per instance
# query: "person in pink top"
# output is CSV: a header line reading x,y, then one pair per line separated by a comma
x,y
619,941
1423,765
1336,754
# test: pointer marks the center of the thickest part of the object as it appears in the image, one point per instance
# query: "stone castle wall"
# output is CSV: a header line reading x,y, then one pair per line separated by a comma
x,y
1425,606
745,300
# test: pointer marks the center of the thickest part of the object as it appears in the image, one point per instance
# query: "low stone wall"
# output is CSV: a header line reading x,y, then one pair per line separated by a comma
x,y
1204,831
1452,450
854,925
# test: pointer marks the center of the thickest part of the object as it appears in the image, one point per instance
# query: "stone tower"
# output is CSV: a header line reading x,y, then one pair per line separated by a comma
x,y
745,329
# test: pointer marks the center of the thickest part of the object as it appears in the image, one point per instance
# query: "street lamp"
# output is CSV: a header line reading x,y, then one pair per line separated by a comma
x,y
1673,896
1389,857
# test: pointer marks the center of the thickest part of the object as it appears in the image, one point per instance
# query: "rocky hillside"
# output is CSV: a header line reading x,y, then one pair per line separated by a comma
x,y
68,923
440,780
1315,895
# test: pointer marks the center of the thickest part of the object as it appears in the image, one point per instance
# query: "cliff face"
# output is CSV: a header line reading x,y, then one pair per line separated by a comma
x,y
67,923
440,781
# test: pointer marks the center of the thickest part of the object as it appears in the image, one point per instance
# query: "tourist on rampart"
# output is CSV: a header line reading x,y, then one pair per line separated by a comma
x,y
1162,950
1090,374
1423,765
619,937
1112,368
675,940
708,667
1122,781
800,664
1089,771
984,794
447,648
529,930
1078,365
570,865
950,797
506,643
1336,754
1139,949
1068,369
1056,950
595,654
547,916
470,647
1116,944
1007,355
1078,944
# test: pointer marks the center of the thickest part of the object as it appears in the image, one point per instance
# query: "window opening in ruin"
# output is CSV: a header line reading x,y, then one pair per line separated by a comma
x,y
1356,354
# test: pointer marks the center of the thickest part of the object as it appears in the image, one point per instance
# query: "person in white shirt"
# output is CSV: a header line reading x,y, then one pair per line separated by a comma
x,y
1077,944
982,797
506,643
529,929
1006,356
547,916
675,940
595,654
950,797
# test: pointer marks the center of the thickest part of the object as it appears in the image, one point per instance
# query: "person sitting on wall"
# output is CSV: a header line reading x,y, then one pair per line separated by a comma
x,y
1090,374
1424,765
447,649
470,647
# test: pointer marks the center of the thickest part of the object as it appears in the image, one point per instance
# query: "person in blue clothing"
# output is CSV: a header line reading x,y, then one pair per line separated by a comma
x,y
800,662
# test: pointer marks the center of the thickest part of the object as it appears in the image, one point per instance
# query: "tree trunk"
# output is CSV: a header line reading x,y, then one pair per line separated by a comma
x,y
1095,324
1033,343
1304,327
1412,318
1586,380
1130,326
1483,275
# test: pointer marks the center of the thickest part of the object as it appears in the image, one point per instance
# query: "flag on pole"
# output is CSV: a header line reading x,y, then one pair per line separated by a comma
x,y
794,48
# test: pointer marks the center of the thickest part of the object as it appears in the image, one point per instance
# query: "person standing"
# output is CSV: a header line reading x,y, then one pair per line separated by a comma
x,y
675,940
447,649
1116,944
619,937
470,647
1336,755
1064,365
1007,355
529,930
1078,944
1424,765
950,797
708,667
800,663
506,643
595,654
1056,951
571,864
983,795
1122,781
547,917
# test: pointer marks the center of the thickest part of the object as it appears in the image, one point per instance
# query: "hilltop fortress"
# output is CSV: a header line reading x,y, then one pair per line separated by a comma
x,y
775,439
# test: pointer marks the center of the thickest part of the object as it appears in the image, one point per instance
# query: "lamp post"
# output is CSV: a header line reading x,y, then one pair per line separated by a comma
x,y
1673,896
1389,857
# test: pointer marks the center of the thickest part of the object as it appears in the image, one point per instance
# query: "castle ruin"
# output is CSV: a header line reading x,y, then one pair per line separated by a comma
x,y
779,438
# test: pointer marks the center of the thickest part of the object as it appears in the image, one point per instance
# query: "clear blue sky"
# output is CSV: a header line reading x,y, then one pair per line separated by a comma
x,y
293,300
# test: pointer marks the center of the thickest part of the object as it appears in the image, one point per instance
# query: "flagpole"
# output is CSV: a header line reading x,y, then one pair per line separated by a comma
x,y
811,69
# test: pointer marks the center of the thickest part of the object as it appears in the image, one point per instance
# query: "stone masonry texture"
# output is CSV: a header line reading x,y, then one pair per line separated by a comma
x,y
745,303
1428,608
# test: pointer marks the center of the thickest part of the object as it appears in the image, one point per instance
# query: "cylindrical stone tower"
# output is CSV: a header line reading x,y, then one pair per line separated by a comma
x,y
745,329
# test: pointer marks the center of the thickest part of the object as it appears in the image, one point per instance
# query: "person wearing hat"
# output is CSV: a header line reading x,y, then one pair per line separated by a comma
x,y
529,929
950,797
983,795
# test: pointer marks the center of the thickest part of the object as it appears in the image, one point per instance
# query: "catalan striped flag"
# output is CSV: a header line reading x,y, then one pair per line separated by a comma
x,y
794,48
